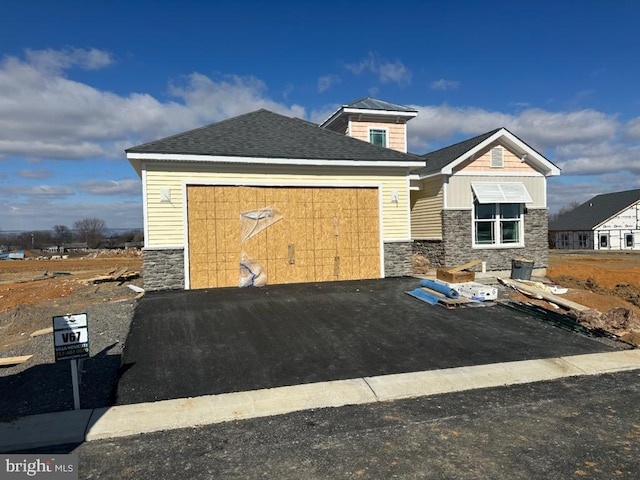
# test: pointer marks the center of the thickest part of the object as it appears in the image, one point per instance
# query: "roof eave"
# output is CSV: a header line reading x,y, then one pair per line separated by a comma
x,y
169,157
345,110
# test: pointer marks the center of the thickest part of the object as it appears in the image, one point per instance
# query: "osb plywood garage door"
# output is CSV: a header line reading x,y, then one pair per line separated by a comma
x,y
325,234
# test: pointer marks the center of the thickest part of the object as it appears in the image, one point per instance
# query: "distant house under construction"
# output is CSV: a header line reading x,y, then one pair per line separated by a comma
x,y
609,221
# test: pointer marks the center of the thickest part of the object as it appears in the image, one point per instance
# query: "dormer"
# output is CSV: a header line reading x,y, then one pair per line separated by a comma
x,y
372,120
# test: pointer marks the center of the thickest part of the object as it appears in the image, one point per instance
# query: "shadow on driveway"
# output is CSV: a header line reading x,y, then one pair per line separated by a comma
x,y
200,342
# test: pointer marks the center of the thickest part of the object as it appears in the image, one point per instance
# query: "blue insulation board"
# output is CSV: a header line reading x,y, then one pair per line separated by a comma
x,y
424,296
439,287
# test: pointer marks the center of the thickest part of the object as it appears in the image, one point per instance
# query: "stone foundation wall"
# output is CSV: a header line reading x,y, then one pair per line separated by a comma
x,y
398,259
163,269
457,233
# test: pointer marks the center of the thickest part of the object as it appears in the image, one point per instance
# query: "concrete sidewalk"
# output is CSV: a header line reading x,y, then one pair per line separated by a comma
x,y
85,425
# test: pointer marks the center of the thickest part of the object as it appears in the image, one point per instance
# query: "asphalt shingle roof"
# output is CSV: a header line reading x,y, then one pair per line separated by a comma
x,y
437,160
595,211
265,134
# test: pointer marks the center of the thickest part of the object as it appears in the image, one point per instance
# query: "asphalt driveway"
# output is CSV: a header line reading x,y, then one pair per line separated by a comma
x,y
200,342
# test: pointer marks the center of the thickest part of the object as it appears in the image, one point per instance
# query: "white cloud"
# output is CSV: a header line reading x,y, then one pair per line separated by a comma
x,y
444,84
387,71
39,215
540,128
127,187
205,98
44,114
89,59
598,158
58,191
327,81
633,129
38,174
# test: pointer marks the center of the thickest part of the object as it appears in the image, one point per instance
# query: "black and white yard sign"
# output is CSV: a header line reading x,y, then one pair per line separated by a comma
x,y
71,336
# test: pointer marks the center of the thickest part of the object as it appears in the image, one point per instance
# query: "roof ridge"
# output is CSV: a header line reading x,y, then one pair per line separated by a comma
x,y
486,135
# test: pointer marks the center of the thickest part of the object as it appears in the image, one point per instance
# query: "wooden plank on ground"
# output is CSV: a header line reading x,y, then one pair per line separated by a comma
x,y
43,331
550,297
464,266
8,361
118,273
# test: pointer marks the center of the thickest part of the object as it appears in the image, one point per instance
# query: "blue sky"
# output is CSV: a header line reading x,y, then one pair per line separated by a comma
x,y
80,81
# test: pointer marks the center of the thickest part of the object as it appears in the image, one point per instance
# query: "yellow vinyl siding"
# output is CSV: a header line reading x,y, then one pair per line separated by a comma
x,y
165,221
426,209
396,132
460,195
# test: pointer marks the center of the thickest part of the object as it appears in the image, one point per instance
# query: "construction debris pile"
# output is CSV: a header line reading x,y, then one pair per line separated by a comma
x,y
456,287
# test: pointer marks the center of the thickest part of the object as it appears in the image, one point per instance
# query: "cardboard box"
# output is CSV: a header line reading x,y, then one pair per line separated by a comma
x,y
455,277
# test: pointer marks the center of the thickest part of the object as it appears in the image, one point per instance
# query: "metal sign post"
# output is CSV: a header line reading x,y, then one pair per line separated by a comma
x,y
71,342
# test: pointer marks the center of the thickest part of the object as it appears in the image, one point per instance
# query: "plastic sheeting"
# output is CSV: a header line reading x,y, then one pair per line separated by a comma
x,y
251,224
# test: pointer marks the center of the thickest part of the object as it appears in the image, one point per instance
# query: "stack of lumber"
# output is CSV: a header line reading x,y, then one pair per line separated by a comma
x,y
119,275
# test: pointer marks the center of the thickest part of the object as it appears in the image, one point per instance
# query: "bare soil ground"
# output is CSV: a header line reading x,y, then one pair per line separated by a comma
x,y
58,286
603,281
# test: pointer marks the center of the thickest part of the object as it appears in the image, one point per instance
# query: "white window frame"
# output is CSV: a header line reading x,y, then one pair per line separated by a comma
x,y
379,129
497,223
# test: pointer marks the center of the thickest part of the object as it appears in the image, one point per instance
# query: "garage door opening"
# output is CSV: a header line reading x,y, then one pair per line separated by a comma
x,y
324,234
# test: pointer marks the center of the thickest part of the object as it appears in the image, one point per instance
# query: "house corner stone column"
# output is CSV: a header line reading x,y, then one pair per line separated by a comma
x,y
398,258
163,269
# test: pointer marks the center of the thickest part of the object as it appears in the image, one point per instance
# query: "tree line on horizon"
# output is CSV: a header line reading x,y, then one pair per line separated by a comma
x,y
90,231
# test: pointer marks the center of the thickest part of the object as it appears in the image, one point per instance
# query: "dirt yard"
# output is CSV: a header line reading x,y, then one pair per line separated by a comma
x,y
599,280
62,286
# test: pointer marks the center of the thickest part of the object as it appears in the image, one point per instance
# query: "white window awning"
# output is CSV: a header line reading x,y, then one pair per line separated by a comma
x,y
503,192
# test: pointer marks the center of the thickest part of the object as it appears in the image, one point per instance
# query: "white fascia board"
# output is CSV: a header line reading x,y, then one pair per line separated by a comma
x,y
332,118
363,111
169,157
533,157
429,175
390,113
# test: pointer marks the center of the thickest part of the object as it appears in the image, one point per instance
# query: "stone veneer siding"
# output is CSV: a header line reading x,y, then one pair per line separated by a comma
x,y
163,269
398,259
457,231
433,250
456,246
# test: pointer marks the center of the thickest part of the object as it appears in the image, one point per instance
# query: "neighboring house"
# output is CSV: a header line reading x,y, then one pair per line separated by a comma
x,y
606,222
264,194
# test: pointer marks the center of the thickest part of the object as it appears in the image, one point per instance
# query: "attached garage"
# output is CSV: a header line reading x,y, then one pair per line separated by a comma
x,y
319,234
267,199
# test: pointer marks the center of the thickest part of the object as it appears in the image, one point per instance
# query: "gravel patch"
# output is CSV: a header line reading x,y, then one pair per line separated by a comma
x,y
41,385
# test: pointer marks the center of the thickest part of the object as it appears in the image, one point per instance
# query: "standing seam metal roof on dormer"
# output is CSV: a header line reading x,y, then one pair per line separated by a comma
x,y
371,106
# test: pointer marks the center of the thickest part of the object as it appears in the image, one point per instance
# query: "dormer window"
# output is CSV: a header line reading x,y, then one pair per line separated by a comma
x,y
378,136
497,160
